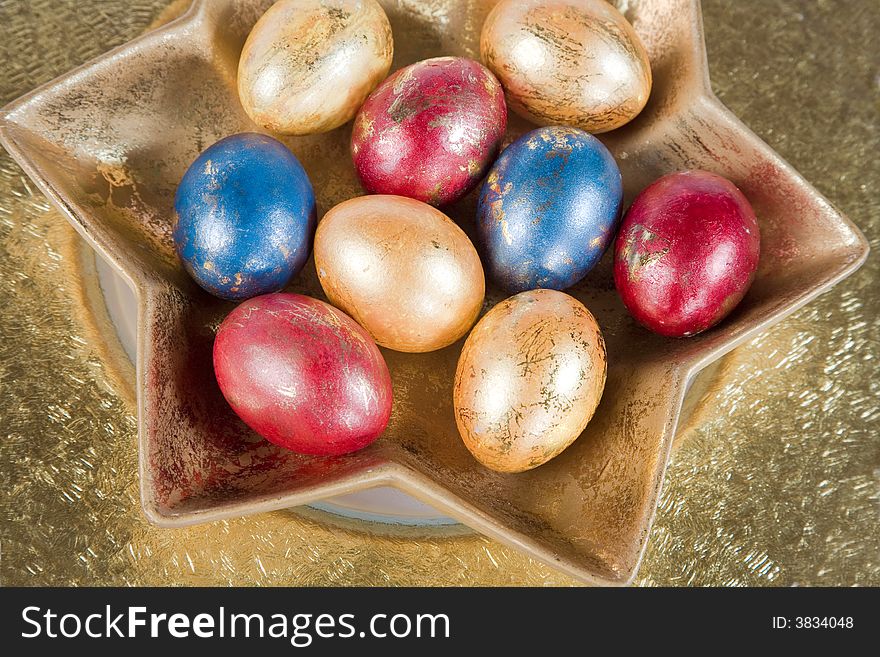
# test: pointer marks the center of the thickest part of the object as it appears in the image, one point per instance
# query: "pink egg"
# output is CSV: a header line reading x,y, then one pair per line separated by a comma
x,y
302,374
430,131
686,253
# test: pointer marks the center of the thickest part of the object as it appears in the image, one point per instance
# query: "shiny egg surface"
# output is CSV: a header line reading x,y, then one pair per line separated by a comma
x,y
402,269
528,381
569,62
548,209
686,253
308,65
245,217
430,131
302,374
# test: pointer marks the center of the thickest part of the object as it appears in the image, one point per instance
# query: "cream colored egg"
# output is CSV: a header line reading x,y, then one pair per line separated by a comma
x,y
402,269
528,381
568,62
308,65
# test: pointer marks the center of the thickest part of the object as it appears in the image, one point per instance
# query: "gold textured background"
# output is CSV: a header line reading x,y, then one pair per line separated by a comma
x,y
778,482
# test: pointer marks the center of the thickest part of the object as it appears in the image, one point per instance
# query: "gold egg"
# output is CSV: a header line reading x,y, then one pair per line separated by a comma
x,y
569,62
528,381
308,65
402,269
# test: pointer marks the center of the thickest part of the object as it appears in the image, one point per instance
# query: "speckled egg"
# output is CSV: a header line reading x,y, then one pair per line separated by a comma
x,y
302,374
687,253
430,131
402,269
245,217
548,209
571,62
308,65
528,380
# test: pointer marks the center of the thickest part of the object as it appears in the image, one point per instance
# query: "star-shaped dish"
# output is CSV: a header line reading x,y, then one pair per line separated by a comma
x,y
108,143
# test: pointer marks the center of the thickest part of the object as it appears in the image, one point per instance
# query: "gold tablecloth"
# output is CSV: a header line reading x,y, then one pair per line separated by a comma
x,y
777,483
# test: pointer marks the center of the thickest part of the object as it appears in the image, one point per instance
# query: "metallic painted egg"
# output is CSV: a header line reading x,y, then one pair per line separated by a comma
x,y
402,269
302,374
548,209
571,62
430,131
245,217
687,253
308,65
528,380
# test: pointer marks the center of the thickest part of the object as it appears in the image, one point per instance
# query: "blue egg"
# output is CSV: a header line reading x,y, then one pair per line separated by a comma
x,y
548,209
245,217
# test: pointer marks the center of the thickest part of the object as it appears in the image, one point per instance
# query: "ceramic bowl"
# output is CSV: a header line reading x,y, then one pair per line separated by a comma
x,y
109,142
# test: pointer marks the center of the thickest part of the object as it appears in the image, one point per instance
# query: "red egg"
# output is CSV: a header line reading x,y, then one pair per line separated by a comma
x,y
686,253
303,374
430,131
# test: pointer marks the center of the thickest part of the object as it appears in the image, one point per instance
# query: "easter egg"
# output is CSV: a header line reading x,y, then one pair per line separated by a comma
x,y
307,65
430,131
572,62
302,374
245,217
548,209
402,269
528,381
686,253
